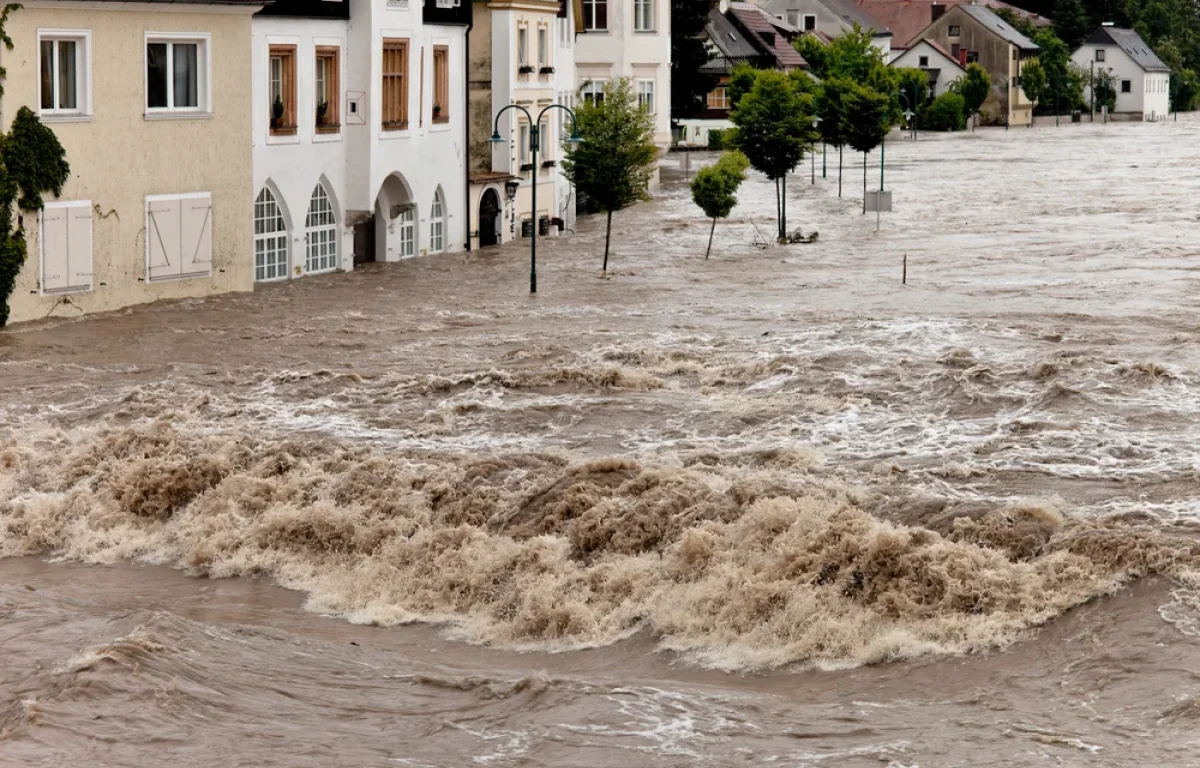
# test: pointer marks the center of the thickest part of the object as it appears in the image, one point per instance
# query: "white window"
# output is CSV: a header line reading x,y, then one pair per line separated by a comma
x,y
595,15
66,246
523,46
270,239
593,92
321,236
546,140
177,74
408,233
178,236
645,93
643,15
523,143
64,71
1100,54
810,22
437,224
543,47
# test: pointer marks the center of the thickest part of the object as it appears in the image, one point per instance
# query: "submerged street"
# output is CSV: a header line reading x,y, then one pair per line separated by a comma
x,y
771,508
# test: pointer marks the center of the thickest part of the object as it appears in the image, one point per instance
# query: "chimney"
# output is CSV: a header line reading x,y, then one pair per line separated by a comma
x,y
936,11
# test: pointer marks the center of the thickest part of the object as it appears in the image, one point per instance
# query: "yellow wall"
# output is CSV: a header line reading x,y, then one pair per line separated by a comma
x,y
119,156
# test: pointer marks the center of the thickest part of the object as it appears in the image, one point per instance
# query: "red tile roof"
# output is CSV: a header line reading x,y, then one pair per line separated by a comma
x,y
908,18
762,26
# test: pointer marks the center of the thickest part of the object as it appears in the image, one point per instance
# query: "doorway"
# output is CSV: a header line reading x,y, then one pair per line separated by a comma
x,y
489,219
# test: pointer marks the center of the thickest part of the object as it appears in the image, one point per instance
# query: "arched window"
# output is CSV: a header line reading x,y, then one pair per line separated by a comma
x,y
321,237
270,238
408,233
437,224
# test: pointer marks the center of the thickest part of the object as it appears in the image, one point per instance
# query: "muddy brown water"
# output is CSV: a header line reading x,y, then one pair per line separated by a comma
x,y
772,508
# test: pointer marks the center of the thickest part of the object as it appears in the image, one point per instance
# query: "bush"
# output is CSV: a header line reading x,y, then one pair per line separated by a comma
x,y
716,139
945,113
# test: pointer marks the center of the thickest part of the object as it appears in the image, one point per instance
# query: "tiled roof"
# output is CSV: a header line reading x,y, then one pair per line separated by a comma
x,y
908,18
728,39
1133,45
761,26
999,26
852,14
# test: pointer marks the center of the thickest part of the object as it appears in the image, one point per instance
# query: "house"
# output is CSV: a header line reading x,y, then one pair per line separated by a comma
x,y
628,38
830,18
973,33
739,33
522,53
154,111
1141,79
930,57
359,126
907,18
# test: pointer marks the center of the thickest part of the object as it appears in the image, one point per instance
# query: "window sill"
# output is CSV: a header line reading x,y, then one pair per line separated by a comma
x,y
54,117
289,130
441,120
53,292
276,139
178,116
645,31
326,138
395,127
328,129
595,31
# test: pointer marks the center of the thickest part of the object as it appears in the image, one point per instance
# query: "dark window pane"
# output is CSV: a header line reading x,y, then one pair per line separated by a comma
x,y
67,97
601,14
47,74
156,75
186,79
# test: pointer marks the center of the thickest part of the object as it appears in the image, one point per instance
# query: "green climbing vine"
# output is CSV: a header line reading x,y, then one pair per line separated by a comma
x,y
32,161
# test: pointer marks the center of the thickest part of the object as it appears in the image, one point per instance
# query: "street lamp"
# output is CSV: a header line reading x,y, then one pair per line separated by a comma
x,y
812,155
909,114
534,144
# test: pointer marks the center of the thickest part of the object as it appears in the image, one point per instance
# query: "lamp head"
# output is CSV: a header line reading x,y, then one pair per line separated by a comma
x,y
575,138
497,138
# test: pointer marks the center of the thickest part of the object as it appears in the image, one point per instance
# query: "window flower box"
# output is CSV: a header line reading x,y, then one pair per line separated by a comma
x,y
546,71
526,167
526,69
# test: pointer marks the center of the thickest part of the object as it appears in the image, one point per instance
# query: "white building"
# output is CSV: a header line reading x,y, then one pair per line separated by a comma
x,y
1141,79
930,57
628,38
831,18
522,53
359,133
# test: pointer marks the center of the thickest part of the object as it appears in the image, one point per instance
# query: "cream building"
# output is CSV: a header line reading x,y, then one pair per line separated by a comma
x,y
152,102
522,52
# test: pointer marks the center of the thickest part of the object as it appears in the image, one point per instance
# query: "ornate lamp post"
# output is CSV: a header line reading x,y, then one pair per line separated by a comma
x,y
534,145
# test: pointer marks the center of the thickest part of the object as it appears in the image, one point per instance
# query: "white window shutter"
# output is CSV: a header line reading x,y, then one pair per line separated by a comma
x,y
55,272
196,235
162,238
79,238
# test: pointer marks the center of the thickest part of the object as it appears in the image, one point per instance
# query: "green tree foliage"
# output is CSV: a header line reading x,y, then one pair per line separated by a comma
x,y
914,84
715,189
741,80
613,164
867,123
1033,80
831,108
1018,22
973,87
1185,91
689,84
1064,85
945,113
815,51
774,127
1071,22
1105,90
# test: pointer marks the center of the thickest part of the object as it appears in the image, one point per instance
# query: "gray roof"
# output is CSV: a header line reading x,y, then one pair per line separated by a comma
x,y
728,38
1133,45
999,26
852,14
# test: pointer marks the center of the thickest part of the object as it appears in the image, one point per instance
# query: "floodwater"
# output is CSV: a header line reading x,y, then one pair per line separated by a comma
x,y
770,508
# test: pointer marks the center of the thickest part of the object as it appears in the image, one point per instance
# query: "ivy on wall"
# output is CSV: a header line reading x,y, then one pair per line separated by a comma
x,y
32,161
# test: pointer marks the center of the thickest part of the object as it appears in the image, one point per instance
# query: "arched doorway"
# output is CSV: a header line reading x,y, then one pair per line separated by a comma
x,y
392,230
489,219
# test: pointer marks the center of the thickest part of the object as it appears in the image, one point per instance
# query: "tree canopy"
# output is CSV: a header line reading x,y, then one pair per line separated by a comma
x,y
973,86
689,84
715,189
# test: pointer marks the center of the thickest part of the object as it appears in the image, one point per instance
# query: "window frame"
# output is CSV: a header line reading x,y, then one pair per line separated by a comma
x,y
328,232
438,222
954,30
1101,55
522,45
83,73
644,25
288,54
283,236
805,19
403,44
718,103
594,88
1126,86
203,42
589,15
653,93
922,61
441,85
543,44
66,206
333,87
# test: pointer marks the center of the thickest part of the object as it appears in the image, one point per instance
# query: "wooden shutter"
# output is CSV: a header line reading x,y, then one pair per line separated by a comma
x,y
441,82
79,252
395,84
195,236
162,239
55,269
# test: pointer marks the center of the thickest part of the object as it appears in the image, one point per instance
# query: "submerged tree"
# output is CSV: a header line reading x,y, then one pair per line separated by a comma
x,y
1033,82
715,189
974,87
867,123
614,162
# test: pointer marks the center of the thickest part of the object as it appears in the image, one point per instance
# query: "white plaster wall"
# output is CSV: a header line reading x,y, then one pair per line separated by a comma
x,y
949,69
1149,92
294,165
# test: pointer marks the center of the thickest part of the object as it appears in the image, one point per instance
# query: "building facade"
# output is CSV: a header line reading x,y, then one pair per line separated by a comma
x,y
359,132
522,53
631,39
1141,79
152,102
935,61
831,18
974,34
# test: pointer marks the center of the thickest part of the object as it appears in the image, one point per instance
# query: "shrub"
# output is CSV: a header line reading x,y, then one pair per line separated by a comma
x,y
716,139
945,113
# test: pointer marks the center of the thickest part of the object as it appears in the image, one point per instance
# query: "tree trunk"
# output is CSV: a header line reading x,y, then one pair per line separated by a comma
x,y
839,171
783,220
778,212
864,183
607,240
710,237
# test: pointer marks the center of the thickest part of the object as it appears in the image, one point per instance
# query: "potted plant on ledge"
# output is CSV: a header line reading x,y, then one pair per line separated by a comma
x,y
546,71
277,113
437,111
322,113
526,69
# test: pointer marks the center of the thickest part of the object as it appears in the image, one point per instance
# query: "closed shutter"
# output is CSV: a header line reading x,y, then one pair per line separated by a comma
x,y
196,235
55,276
162,238
79,251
